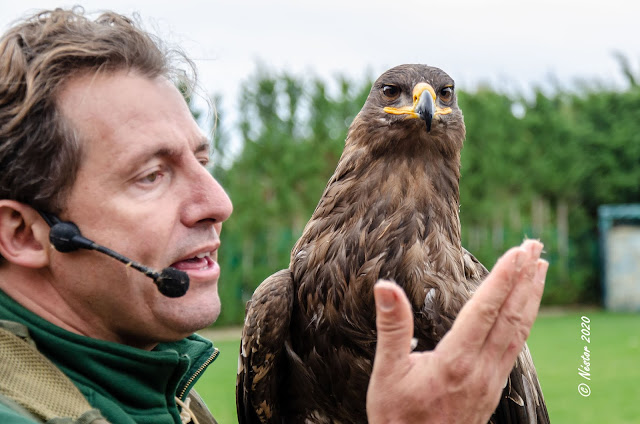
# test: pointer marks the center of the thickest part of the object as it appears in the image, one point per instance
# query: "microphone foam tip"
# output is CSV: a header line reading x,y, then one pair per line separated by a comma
x,y
172,282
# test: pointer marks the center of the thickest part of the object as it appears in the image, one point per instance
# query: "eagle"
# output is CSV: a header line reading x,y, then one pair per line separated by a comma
x,y
390,210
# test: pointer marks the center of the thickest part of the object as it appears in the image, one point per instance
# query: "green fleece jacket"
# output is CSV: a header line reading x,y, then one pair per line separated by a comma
x,y
127,385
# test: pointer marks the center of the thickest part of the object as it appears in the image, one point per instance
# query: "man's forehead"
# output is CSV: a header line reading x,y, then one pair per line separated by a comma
x,y
125,119
120,98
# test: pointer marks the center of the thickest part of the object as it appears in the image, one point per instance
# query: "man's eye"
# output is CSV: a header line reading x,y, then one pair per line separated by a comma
x,y
391,91
151,177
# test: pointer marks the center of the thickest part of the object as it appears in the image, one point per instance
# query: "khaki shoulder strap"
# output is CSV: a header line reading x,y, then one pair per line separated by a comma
x,y
30,380
199,409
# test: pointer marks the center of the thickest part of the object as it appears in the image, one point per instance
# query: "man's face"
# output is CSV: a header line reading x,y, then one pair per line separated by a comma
x,y
142,190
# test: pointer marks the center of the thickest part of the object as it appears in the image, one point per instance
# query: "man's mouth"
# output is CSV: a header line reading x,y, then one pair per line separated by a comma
x,y
201,261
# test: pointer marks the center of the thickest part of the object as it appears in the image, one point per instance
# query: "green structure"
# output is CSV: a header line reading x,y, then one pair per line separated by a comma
x,y
619,227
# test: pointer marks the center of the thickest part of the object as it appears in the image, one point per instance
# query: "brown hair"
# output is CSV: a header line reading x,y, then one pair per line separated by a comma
x,y
39,152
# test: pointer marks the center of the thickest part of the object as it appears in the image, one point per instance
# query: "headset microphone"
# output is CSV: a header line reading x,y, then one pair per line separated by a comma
x,y
65,236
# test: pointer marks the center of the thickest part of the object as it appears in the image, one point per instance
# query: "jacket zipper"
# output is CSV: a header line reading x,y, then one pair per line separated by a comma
x,y
206,363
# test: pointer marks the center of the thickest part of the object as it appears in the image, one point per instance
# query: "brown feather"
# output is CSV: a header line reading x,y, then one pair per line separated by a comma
x,y
390,210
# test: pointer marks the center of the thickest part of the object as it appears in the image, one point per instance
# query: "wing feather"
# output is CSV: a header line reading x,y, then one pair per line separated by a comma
x,y
522,400
265,332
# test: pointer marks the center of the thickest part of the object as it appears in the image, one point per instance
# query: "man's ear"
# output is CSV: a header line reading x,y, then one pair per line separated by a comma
x,y
24,235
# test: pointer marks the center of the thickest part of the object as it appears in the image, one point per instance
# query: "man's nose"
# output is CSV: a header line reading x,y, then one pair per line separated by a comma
x,y
207,200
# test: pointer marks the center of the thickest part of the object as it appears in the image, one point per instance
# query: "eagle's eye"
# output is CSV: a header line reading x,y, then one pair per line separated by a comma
x,y
446,94
391,91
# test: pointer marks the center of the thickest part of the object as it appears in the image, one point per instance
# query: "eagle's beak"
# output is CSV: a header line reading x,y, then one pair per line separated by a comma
x,y
424,105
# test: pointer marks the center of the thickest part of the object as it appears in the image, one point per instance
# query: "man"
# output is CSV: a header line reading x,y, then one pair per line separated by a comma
x,y
93,130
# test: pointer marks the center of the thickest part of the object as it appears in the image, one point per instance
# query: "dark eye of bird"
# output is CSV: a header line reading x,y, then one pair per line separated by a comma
x,y
446,94
391,91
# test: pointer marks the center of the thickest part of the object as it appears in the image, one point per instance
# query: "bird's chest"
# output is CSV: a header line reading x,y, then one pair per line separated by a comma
x,y
333,321
394,222
334,271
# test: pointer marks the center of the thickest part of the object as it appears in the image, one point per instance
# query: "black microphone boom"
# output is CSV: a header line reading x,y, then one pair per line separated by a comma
x,y
65,236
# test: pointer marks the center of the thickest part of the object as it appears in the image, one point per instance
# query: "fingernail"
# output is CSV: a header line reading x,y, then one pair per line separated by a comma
x,y
541,272
385,298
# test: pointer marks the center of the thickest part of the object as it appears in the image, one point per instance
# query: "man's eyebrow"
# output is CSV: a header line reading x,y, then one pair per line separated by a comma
x,y
203,146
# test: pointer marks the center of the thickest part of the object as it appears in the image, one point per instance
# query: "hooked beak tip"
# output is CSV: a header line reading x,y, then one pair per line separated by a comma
x,y
427,123
426,113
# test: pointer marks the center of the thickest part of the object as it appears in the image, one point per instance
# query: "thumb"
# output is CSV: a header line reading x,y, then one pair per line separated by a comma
x,y
394,322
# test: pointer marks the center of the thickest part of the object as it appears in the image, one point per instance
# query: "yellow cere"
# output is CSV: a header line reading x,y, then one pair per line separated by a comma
x,y
419,89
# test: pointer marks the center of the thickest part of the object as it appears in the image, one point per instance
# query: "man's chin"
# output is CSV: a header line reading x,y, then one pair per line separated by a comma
x,y
185,318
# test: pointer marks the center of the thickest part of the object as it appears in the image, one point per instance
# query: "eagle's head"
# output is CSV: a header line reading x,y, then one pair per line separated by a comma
x,y
411,109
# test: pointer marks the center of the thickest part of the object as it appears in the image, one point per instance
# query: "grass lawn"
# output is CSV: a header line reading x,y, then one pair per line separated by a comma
x,y
556,348
217,386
